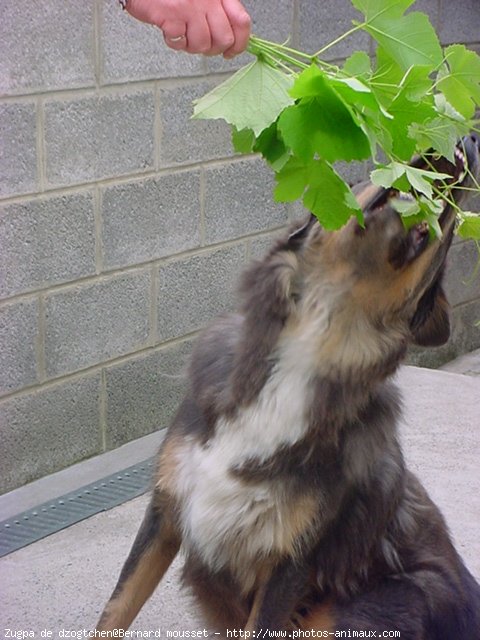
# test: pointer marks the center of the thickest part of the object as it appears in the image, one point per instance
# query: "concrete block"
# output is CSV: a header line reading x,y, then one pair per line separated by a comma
x,y
95,137
459,22
46,241
260,246
352,172
18,333
462,277
239,200
132,50
185,140
194,290
18,153
146,220
95,322
47,430
322,22
45,47
143,393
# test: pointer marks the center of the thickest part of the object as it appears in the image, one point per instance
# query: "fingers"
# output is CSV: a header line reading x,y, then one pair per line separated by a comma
x,y
198,35
175,34
210,27
241,25
221,33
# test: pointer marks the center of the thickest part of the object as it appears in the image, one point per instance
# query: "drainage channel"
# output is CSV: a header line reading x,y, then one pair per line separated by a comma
x,y
50,517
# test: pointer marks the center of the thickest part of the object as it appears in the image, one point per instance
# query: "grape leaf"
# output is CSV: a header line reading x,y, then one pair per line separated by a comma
x,y
406,206
469,225
252,98
419,179
292,180
270,144
409,39
405,112
329,198
321,124
325,194
243,140
387,176
358,64
440,134
461,85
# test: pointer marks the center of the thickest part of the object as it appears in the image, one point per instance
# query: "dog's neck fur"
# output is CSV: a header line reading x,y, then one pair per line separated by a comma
x,y
298,336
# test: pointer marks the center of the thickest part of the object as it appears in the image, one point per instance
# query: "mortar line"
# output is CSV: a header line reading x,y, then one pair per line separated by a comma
x,y
156,262
157,128
201,197
98,228
102,410
40,147
296,25
98,367
153,315
120,88
40,341
97,48
127,178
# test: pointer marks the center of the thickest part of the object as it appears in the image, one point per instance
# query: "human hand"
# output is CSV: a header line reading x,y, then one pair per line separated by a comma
x,y
210,27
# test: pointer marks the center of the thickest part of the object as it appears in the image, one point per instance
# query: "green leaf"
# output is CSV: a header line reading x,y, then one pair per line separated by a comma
x,y
406,207
409,39
372,9
416,82
358,64
419,179
329,198
439,133
405,113
460,82
386,176
243,140
270,144
322,124
252,98
291,180
325,194
469,225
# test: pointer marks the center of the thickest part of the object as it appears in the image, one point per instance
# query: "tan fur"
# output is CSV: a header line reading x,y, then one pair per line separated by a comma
x,y
168,464
139,586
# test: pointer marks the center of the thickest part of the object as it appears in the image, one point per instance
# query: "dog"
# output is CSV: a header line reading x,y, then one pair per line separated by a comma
x,y
281,476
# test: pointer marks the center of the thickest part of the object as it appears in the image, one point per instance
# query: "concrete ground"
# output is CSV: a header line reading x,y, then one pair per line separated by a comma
x,y
61,583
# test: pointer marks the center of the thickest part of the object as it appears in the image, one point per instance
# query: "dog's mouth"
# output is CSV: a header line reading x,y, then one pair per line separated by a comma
x,y
451,191
463,174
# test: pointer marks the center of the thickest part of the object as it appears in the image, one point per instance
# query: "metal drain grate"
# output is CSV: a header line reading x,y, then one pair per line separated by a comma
x,y
47,518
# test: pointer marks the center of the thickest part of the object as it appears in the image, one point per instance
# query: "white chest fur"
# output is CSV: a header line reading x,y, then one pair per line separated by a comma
x,y
230,522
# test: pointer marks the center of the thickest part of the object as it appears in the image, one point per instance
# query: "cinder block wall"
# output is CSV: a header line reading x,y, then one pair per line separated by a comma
x,y
124,225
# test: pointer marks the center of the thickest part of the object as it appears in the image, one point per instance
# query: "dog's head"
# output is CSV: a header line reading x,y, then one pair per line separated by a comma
x,y
384,272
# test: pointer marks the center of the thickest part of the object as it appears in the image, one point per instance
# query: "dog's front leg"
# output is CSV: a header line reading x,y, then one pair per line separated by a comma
x,y
153,550
278,593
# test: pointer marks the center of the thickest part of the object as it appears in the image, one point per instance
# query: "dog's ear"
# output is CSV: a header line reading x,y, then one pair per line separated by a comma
x,y
430,325
297,237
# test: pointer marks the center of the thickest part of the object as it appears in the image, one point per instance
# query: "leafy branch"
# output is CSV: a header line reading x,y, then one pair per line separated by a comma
x,y
304,114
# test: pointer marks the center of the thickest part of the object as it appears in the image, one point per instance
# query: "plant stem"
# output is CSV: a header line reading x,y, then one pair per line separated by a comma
x,y
339,39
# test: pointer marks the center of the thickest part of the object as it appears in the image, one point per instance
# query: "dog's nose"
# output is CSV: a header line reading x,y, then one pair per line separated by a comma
x,y
475,139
